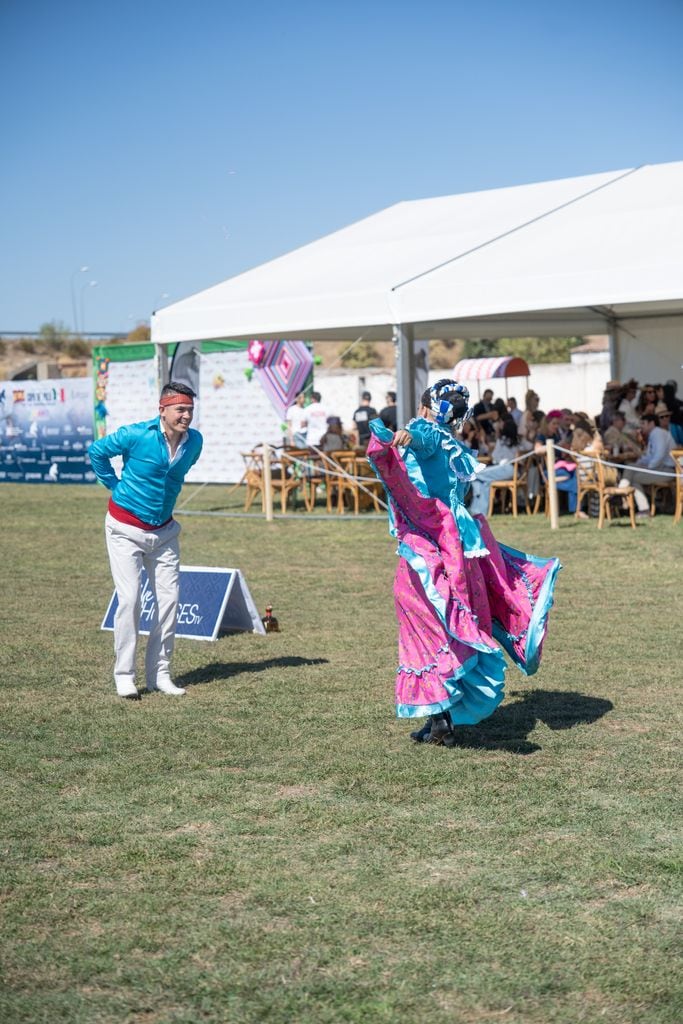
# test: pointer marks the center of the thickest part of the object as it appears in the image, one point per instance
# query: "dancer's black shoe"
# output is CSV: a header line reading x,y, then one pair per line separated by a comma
x,y
441,732
420,735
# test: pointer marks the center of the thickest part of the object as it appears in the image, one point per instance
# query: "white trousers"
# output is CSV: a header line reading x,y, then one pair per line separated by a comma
x,y
130,550
638,478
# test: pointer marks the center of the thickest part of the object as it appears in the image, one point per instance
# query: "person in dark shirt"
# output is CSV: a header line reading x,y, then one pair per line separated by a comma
x,y
362,416
485,413
389,412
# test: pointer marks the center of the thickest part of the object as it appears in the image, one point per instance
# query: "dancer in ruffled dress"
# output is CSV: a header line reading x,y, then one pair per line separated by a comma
x,y
461,597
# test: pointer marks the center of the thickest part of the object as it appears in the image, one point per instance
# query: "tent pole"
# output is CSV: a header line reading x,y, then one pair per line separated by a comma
x,y
552,484
267,483
161,364
405,372
614,360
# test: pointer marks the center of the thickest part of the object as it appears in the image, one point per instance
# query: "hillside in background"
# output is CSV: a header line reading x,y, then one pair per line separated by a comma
x,y
68,355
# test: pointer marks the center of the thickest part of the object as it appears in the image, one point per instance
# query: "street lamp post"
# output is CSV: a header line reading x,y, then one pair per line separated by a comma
x,y
81,270
88,284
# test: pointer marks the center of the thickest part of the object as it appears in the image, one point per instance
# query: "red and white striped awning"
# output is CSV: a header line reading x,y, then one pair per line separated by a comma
x,y
490,368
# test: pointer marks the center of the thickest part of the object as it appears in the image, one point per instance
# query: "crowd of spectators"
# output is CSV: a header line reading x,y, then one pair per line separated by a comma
x,y
636,429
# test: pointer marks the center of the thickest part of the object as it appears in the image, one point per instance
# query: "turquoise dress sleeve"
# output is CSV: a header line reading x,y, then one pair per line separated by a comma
x,y
442,467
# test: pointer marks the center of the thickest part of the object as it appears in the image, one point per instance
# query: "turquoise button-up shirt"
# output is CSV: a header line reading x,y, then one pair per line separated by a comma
x,y
150,483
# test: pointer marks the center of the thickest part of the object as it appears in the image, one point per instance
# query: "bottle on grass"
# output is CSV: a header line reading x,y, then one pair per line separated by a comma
x,y
270,623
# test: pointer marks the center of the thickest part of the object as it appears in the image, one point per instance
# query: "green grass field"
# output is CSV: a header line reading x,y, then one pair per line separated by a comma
x,y
272,847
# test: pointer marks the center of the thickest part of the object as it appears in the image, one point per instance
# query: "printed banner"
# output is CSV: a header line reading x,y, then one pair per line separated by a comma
x,y
232,411
212,601
235,415
46,427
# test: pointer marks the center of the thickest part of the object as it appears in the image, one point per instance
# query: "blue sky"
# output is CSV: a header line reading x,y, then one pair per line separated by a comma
x,y
170,145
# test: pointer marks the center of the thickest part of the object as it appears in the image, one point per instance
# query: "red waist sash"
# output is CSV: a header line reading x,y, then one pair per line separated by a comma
x,y
122,515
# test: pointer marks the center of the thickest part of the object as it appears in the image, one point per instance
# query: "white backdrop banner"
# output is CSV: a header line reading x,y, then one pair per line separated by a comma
x,y
232,412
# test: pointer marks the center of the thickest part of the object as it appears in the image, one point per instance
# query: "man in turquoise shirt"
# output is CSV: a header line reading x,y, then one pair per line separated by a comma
x,y
141,532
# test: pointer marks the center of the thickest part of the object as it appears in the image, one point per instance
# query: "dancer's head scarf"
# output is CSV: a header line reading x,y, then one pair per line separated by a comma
x,y
449,401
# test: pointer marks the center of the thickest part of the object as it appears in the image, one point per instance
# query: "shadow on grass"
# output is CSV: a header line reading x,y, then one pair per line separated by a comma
x,y
225,669
509,727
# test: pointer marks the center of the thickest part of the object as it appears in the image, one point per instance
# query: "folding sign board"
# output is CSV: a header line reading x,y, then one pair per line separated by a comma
x,y
212,601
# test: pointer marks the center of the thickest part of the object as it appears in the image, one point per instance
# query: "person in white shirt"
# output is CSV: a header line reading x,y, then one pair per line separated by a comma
x,y
628,404
502,457
657,457
297,420
317,420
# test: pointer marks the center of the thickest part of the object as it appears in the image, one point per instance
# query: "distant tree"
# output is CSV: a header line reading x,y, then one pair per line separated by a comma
x,y
54,335
444,353
27,345
534,350
539,350
139,333
478,348
3,347
78,348
362,354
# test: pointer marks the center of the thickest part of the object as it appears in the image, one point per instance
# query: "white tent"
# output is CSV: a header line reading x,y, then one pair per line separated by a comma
x,y
595,254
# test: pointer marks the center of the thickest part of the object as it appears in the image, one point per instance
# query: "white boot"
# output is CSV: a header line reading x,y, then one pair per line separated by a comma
x,y
166,686
127,688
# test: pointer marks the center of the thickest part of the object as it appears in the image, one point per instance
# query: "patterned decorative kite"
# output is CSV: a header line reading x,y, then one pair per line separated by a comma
x,y
282,368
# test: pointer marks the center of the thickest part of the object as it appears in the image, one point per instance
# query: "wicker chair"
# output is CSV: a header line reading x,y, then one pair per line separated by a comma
x,y
517,485
677,456
592,480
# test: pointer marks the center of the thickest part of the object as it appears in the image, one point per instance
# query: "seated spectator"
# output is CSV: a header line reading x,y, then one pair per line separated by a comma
x,y
583,420
501,408
531,403
550,428
585,444
657,457
514,411
664,418
628,405
611,398
647,400
334,439
618,442
676,408
669,396
474,435
485,413
558,420
505,451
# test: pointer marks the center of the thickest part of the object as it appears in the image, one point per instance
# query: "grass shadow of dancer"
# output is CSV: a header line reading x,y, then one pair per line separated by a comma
x,y
509,727
224,669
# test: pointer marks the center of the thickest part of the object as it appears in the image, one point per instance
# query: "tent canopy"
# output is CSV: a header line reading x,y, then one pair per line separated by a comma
x,y
557,257
489,369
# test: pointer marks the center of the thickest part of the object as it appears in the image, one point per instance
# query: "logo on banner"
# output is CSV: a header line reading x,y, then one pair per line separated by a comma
x,y
211,601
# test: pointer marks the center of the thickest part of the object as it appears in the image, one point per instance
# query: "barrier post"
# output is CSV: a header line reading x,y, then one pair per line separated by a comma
x,y
267,484
552,484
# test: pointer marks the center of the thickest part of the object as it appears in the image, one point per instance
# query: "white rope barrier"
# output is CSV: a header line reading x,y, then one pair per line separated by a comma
x,y
671,474
337,471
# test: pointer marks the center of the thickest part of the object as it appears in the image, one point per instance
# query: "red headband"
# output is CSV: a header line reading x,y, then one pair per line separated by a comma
x,y
175,400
